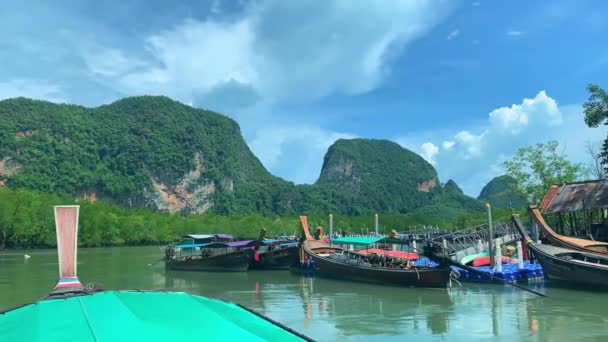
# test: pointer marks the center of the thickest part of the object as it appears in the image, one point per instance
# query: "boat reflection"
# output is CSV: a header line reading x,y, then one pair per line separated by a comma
x,y
380,310
350,308
327,309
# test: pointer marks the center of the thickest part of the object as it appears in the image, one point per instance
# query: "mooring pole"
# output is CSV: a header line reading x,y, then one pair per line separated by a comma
x,y
331,227
491,252
376,224
498,259
520,256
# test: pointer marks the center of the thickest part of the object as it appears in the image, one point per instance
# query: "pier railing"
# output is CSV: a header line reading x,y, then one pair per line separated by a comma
x,y
475,239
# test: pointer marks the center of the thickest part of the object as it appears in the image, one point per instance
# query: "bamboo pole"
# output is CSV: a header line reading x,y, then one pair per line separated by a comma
x,y
491,235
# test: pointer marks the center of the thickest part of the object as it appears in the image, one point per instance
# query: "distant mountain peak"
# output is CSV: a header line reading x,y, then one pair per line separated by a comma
x,y
500,192
152,151
452,187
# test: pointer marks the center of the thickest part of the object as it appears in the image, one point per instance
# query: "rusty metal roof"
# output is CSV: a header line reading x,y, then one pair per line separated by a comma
x,y
575,196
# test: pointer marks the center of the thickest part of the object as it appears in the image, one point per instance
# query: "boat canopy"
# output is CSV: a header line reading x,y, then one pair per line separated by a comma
x,y
282,242
190,245
137,316
201,236
357,240
209,236
244,243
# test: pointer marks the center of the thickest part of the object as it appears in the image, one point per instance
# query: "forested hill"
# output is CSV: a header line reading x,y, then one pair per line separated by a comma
x,y
155,152
377,174
501,193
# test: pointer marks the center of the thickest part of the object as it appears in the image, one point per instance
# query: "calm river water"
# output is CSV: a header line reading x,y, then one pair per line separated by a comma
x,y
330,310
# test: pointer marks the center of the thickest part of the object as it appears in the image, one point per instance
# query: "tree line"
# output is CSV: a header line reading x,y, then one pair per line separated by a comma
x,y
26,221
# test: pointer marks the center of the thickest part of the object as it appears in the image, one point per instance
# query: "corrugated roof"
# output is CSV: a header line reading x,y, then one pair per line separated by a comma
x,y
575,196
549,197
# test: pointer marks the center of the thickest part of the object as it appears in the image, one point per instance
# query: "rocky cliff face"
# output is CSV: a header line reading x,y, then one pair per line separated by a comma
x,y
154,152
140,151
378,174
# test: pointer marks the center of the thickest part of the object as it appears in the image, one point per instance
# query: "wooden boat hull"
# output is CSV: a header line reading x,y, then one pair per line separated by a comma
x,y
277,259
568,265
571,272
558,240
237,261
414,277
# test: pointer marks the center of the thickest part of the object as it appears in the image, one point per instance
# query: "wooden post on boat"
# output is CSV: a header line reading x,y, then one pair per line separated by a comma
x,y
498,261
66,227
331,227
520,256
490,235
376,224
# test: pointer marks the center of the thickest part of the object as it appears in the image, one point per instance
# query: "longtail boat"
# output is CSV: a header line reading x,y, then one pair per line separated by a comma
x,y
274,254
567,265
277,255
336,262
211,256
73,312
558,240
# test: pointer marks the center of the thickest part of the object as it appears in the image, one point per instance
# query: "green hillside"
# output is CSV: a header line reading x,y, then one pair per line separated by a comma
x,y
140,151
501,193
377,175
153,152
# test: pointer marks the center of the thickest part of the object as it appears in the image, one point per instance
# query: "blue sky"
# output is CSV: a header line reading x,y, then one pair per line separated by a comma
x,y
463,83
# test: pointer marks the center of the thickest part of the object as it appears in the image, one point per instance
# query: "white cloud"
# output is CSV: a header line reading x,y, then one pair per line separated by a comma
x,y
453,35
470,144
295,151
273,49
35,89
512,120
447,144
108,62
514,33
474,156
269,53
429,150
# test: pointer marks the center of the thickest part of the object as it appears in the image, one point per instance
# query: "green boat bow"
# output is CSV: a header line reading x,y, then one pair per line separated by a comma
x,y
138,316
73,312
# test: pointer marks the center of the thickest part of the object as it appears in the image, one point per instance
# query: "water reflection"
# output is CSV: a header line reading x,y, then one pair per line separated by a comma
x,y
327,309
379,310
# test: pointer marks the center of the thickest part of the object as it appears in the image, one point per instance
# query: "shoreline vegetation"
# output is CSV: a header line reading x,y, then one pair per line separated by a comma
x,y
26,222
49,153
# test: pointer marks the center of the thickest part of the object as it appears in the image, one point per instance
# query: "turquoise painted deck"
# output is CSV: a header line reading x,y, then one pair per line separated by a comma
x,y
137,316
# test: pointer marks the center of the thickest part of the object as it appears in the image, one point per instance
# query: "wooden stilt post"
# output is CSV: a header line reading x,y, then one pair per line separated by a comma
x,y
490,235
